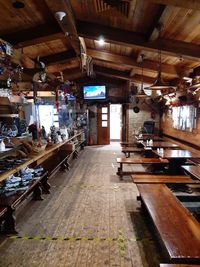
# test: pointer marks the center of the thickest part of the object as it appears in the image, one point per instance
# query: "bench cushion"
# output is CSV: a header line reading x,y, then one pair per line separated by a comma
x,y
179,231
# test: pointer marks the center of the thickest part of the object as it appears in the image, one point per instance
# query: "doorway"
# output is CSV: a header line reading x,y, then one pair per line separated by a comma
x,y
103,125
115,122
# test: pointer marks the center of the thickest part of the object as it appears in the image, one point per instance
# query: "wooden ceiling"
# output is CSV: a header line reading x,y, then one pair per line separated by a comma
x,y
129,28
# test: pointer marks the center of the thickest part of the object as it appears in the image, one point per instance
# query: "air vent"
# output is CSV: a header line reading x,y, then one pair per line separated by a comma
x,y
122,6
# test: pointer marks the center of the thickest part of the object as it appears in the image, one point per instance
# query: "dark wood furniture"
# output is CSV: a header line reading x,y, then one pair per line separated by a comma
x,y
10,203
158,144
193,170
52,159
50,154
178,230
127,144
176,157
128,150
145,137
133,161
162,179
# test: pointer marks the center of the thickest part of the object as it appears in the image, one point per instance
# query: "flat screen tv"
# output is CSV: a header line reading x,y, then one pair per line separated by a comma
x,y
92,92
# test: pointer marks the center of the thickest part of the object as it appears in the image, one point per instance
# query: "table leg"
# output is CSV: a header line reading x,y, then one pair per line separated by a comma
x,y
120,171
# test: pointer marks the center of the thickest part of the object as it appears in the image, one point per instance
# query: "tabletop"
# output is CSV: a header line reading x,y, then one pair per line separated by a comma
x,y
176,154
148,137
193,170
156,144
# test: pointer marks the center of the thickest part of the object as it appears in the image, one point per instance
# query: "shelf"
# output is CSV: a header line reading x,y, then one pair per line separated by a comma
x,y
9,115
35,157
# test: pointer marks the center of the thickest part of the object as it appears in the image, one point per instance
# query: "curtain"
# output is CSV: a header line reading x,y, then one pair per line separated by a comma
x,y
184,118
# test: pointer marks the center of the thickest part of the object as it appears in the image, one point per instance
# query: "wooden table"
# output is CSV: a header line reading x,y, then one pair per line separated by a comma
x,y
178,230
145,161
128,144
158,144
128,150
148,137
176,157
193,170
163,179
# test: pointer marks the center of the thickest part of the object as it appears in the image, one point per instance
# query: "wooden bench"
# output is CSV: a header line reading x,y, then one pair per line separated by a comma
x,y
162,179
133,161
192,170
194,161
11,202
128,144
128,150
3,211
178,230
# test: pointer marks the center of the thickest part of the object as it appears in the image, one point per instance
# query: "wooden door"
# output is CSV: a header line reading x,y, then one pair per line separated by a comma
x,y
103,125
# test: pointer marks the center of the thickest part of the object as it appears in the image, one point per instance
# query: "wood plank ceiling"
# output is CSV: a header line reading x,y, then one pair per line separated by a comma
x,y
129,27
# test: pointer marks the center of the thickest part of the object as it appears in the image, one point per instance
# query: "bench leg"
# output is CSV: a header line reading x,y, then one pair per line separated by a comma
x,y
37,193
120,171
82,146
10,222
67,165
75,154
63,167
45,185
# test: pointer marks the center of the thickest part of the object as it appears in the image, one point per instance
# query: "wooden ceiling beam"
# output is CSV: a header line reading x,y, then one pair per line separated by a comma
x,y
67,23
132,72
121,75
131,39
155,27
40,34
128,61
191,4
71,74
57,58
146,80
99,79
67,56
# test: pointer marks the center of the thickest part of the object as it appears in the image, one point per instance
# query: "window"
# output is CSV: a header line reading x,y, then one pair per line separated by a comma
x,y
184,118
104,117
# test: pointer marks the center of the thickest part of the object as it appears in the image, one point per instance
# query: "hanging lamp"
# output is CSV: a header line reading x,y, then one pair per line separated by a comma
x,y
159,84
142,94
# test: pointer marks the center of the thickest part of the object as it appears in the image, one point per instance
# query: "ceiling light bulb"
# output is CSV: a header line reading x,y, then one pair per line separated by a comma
x,y
101,41
60,15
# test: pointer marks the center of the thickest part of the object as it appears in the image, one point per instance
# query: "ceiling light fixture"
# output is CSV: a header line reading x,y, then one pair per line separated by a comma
x,y
141,93
60,15
159,84
101,41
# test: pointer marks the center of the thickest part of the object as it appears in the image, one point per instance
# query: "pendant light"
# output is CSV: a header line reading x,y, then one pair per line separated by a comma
x,y
159,84
142,94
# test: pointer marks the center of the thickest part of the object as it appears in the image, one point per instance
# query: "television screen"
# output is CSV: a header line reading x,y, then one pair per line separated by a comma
x,y
94,92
